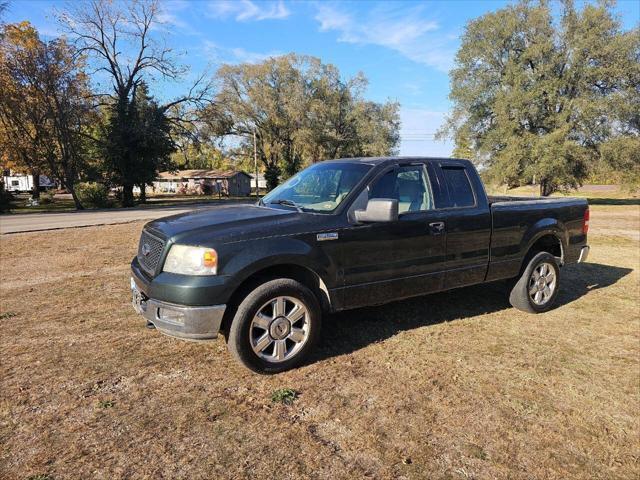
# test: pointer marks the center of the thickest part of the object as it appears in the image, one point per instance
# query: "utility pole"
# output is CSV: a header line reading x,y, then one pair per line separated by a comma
x,y
255,162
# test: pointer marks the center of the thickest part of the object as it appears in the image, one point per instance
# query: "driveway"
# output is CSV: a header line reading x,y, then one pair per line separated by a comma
x,y
32,222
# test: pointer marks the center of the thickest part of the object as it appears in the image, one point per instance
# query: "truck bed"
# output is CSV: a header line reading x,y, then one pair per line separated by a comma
x,y
516,221
507,199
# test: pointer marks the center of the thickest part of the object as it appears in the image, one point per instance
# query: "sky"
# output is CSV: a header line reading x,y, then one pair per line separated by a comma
x,y
405,49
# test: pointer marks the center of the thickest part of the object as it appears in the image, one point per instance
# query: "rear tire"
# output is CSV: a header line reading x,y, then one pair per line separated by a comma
x,y
537,288
275,326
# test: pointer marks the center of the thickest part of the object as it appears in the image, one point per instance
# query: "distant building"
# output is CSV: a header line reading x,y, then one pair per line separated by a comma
x,y
262,182
204,182
17,182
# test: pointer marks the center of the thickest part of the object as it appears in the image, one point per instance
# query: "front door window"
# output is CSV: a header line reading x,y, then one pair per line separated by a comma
x,y
408,185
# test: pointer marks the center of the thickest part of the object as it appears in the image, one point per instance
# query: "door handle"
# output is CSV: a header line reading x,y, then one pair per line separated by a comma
x,y
437,227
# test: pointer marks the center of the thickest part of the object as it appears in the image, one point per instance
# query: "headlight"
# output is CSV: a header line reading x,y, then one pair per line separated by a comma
x,y
191,260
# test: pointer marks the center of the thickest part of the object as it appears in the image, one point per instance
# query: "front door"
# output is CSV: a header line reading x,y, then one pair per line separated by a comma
x,y
385,261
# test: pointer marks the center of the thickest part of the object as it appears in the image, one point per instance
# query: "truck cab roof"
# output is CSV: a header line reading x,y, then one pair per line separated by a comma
x,y
396,159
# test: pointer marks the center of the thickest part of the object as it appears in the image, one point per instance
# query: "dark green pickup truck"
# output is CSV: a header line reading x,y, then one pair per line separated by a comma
x,y
345,234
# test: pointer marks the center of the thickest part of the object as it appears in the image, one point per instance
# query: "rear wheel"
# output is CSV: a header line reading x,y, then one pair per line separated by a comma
x,y
275,326
537,288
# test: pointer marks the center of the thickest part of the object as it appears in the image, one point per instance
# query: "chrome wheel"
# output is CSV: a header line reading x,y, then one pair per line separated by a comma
x,y
542,283
280,329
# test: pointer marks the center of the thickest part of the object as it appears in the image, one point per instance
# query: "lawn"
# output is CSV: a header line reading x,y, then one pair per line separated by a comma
x,y
64,202
454,385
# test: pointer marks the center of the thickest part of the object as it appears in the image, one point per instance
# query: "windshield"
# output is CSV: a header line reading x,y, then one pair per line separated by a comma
x,y
319,188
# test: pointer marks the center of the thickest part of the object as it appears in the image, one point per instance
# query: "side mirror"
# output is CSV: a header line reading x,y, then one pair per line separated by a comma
x,y
378,210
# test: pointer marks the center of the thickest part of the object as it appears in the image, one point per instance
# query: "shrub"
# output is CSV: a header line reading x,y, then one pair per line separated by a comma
x,y
46,198
93,194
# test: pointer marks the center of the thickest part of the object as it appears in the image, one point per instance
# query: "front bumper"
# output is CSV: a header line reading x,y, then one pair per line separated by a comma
x,y
584,254
181,321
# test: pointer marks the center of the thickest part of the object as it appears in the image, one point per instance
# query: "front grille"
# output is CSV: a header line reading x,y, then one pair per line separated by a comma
x,y
150,252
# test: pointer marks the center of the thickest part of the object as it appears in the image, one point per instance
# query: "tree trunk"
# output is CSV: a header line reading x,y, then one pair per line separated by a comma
x,y
545,188
74,195
35,188
143,193
127,195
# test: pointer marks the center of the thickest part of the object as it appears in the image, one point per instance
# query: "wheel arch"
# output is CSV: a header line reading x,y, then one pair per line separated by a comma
x,y
293,270
548,240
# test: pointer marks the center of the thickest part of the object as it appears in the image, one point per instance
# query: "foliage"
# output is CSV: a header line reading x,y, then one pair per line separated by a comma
x,y
284,395
43,107
203,154
301,111
537,100
135,142
93,194
622,156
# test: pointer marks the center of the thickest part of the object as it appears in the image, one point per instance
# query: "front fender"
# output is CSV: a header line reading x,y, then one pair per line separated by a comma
x,y
256,255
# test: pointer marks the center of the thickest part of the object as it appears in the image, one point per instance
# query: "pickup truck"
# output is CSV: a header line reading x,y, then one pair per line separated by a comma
x,y
344,234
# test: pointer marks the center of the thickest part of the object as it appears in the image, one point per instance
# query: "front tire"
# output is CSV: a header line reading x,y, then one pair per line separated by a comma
x,y
275,326
537,288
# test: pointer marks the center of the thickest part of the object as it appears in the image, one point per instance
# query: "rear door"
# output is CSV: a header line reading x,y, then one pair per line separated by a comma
x,y
392,260
468,223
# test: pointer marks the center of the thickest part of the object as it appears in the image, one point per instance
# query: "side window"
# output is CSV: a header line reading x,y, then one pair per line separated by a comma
x,y
460,191
408,185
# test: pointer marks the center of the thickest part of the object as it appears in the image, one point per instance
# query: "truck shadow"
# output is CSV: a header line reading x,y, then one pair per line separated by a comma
x,y
352,330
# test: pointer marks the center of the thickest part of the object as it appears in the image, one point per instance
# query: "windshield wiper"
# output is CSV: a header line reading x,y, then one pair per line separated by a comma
x,y
288,203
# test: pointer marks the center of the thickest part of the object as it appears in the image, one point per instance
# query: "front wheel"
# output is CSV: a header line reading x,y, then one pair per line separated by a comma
x,y
536,290
275,326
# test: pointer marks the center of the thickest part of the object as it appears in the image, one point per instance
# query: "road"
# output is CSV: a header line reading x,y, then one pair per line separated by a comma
x,y
32,222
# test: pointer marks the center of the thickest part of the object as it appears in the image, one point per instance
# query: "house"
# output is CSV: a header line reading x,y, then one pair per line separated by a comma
x,y
207,182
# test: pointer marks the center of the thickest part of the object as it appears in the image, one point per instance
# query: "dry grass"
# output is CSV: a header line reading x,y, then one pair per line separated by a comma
x,y
455,385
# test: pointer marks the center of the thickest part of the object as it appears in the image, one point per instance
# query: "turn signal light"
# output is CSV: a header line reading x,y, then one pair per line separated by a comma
x,y
585,222
210,259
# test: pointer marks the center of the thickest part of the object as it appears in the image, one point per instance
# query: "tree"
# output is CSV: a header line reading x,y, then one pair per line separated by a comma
x,y
535,99
301,111
138,128
43,108
120,40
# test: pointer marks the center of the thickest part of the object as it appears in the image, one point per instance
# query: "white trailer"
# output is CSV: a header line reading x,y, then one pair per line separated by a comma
x,y
24,183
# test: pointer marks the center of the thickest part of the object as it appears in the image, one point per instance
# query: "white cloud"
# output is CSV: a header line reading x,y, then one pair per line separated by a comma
x,y
417,130
169,13
394,26
170,18
248,10
219,54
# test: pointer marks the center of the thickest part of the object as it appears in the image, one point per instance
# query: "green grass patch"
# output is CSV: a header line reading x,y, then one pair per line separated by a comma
x,y
286,396
106,403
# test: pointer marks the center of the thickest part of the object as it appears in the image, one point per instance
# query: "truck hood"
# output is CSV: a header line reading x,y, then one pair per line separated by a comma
x,y
229,223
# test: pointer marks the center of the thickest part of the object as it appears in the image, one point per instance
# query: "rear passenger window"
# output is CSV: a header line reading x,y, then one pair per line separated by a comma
x,y
460,192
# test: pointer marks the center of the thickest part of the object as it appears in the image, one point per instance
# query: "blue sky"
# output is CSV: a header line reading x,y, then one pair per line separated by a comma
x,y
404,48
